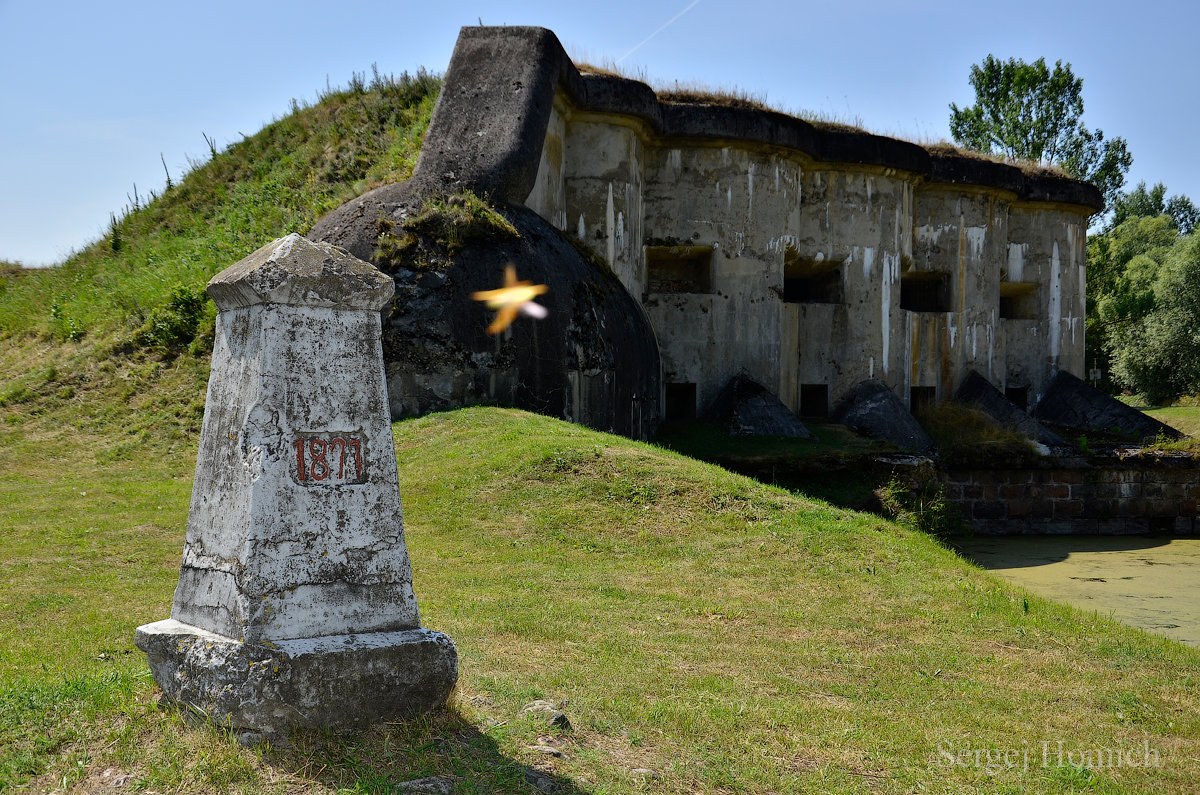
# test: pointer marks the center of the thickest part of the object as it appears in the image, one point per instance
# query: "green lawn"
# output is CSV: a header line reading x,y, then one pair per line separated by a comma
x,y
729,636
1181,418
1184,415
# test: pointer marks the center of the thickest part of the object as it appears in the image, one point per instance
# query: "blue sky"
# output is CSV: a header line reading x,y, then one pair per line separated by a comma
x,y
92,93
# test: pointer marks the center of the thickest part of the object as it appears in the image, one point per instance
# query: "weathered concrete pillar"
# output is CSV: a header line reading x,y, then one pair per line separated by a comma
x,y
295,604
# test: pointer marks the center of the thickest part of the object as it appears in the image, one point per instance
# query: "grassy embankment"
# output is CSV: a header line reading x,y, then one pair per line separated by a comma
x,y
729,636
1183,416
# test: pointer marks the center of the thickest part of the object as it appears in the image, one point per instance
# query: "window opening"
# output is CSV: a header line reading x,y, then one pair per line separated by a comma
x,y
1018,300
925,291
814,400
681,401
679,269
811,281
921,398
1018,395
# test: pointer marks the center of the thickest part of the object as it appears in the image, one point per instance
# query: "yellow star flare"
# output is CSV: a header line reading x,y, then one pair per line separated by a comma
x,y
512,298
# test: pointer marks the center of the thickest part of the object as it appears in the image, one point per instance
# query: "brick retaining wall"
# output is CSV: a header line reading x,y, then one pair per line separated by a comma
x,y
1102,495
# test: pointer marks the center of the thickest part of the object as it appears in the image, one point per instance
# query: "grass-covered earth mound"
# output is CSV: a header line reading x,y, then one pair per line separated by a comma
x,y
703,632
280,180
729,636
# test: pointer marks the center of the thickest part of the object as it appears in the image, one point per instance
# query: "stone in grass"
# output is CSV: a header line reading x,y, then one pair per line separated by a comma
x,y
548,712
644,772
434,785
113,778
295,606
548,750
540,781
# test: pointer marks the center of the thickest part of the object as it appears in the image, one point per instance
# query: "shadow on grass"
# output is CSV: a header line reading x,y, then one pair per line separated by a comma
x,y
80,734
836,466
444,745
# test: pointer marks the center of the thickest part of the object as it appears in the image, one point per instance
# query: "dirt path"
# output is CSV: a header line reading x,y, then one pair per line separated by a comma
x,y
1152,583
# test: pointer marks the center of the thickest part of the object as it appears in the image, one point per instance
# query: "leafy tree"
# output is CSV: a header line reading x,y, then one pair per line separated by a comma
x,y
1149,202
1123,265
1111,252
1027,111
1158,354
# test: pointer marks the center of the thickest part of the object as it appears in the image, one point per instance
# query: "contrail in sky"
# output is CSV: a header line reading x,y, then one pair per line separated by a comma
x,y
660,30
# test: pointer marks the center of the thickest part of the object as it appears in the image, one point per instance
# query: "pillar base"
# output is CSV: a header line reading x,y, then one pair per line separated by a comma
x,y
337,681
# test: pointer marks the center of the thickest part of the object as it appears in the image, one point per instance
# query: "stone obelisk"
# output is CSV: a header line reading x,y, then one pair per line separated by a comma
x,y
295,604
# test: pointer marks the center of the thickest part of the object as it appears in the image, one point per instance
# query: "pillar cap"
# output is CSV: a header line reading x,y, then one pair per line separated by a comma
x,y
296,271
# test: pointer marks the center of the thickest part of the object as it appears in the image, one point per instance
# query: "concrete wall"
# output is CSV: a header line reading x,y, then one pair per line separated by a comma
x,y
736,205
759,243
1047,247
1016,289
855,222
604,184
961,235
862,232
766,215
548,197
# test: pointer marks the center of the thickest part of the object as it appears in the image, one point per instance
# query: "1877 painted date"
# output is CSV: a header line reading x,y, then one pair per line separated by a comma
x,y
329,458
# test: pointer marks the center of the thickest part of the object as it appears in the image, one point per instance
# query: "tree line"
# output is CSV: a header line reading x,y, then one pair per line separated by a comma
x,y
1143,258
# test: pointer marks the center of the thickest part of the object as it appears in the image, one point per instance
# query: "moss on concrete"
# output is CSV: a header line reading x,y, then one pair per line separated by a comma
x,y
438,231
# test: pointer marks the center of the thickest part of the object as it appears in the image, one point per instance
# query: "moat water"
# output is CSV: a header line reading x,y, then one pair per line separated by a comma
x,y
1147,582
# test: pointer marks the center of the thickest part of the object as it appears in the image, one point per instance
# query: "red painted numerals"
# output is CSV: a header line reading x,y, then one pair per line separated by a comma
x,y
328,458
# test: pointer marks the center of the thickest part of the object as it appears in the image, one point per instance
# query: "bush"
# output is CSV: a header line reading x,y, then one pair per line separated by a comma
x,y
921,506
1158,354
967,437
172,327
63,324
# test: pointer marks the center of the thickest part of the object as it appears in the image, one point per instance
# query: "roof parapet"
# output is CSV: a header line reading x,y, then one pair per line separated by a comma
x,y
491,117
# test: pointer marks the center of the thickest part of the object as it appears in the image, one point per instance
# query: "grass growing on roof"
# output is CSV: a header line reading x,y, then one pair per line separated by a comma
x,y
698,93
1028,167
695,93
608,67
441,227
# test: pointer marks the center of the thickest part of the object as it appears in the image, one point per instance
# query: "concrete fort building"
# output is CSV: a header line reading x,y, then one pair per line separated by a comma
x,y
807,257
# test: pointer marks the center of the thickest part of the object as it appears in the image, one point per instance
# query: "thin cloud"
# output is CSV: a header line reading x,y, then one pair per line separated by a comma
x,y
669,22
